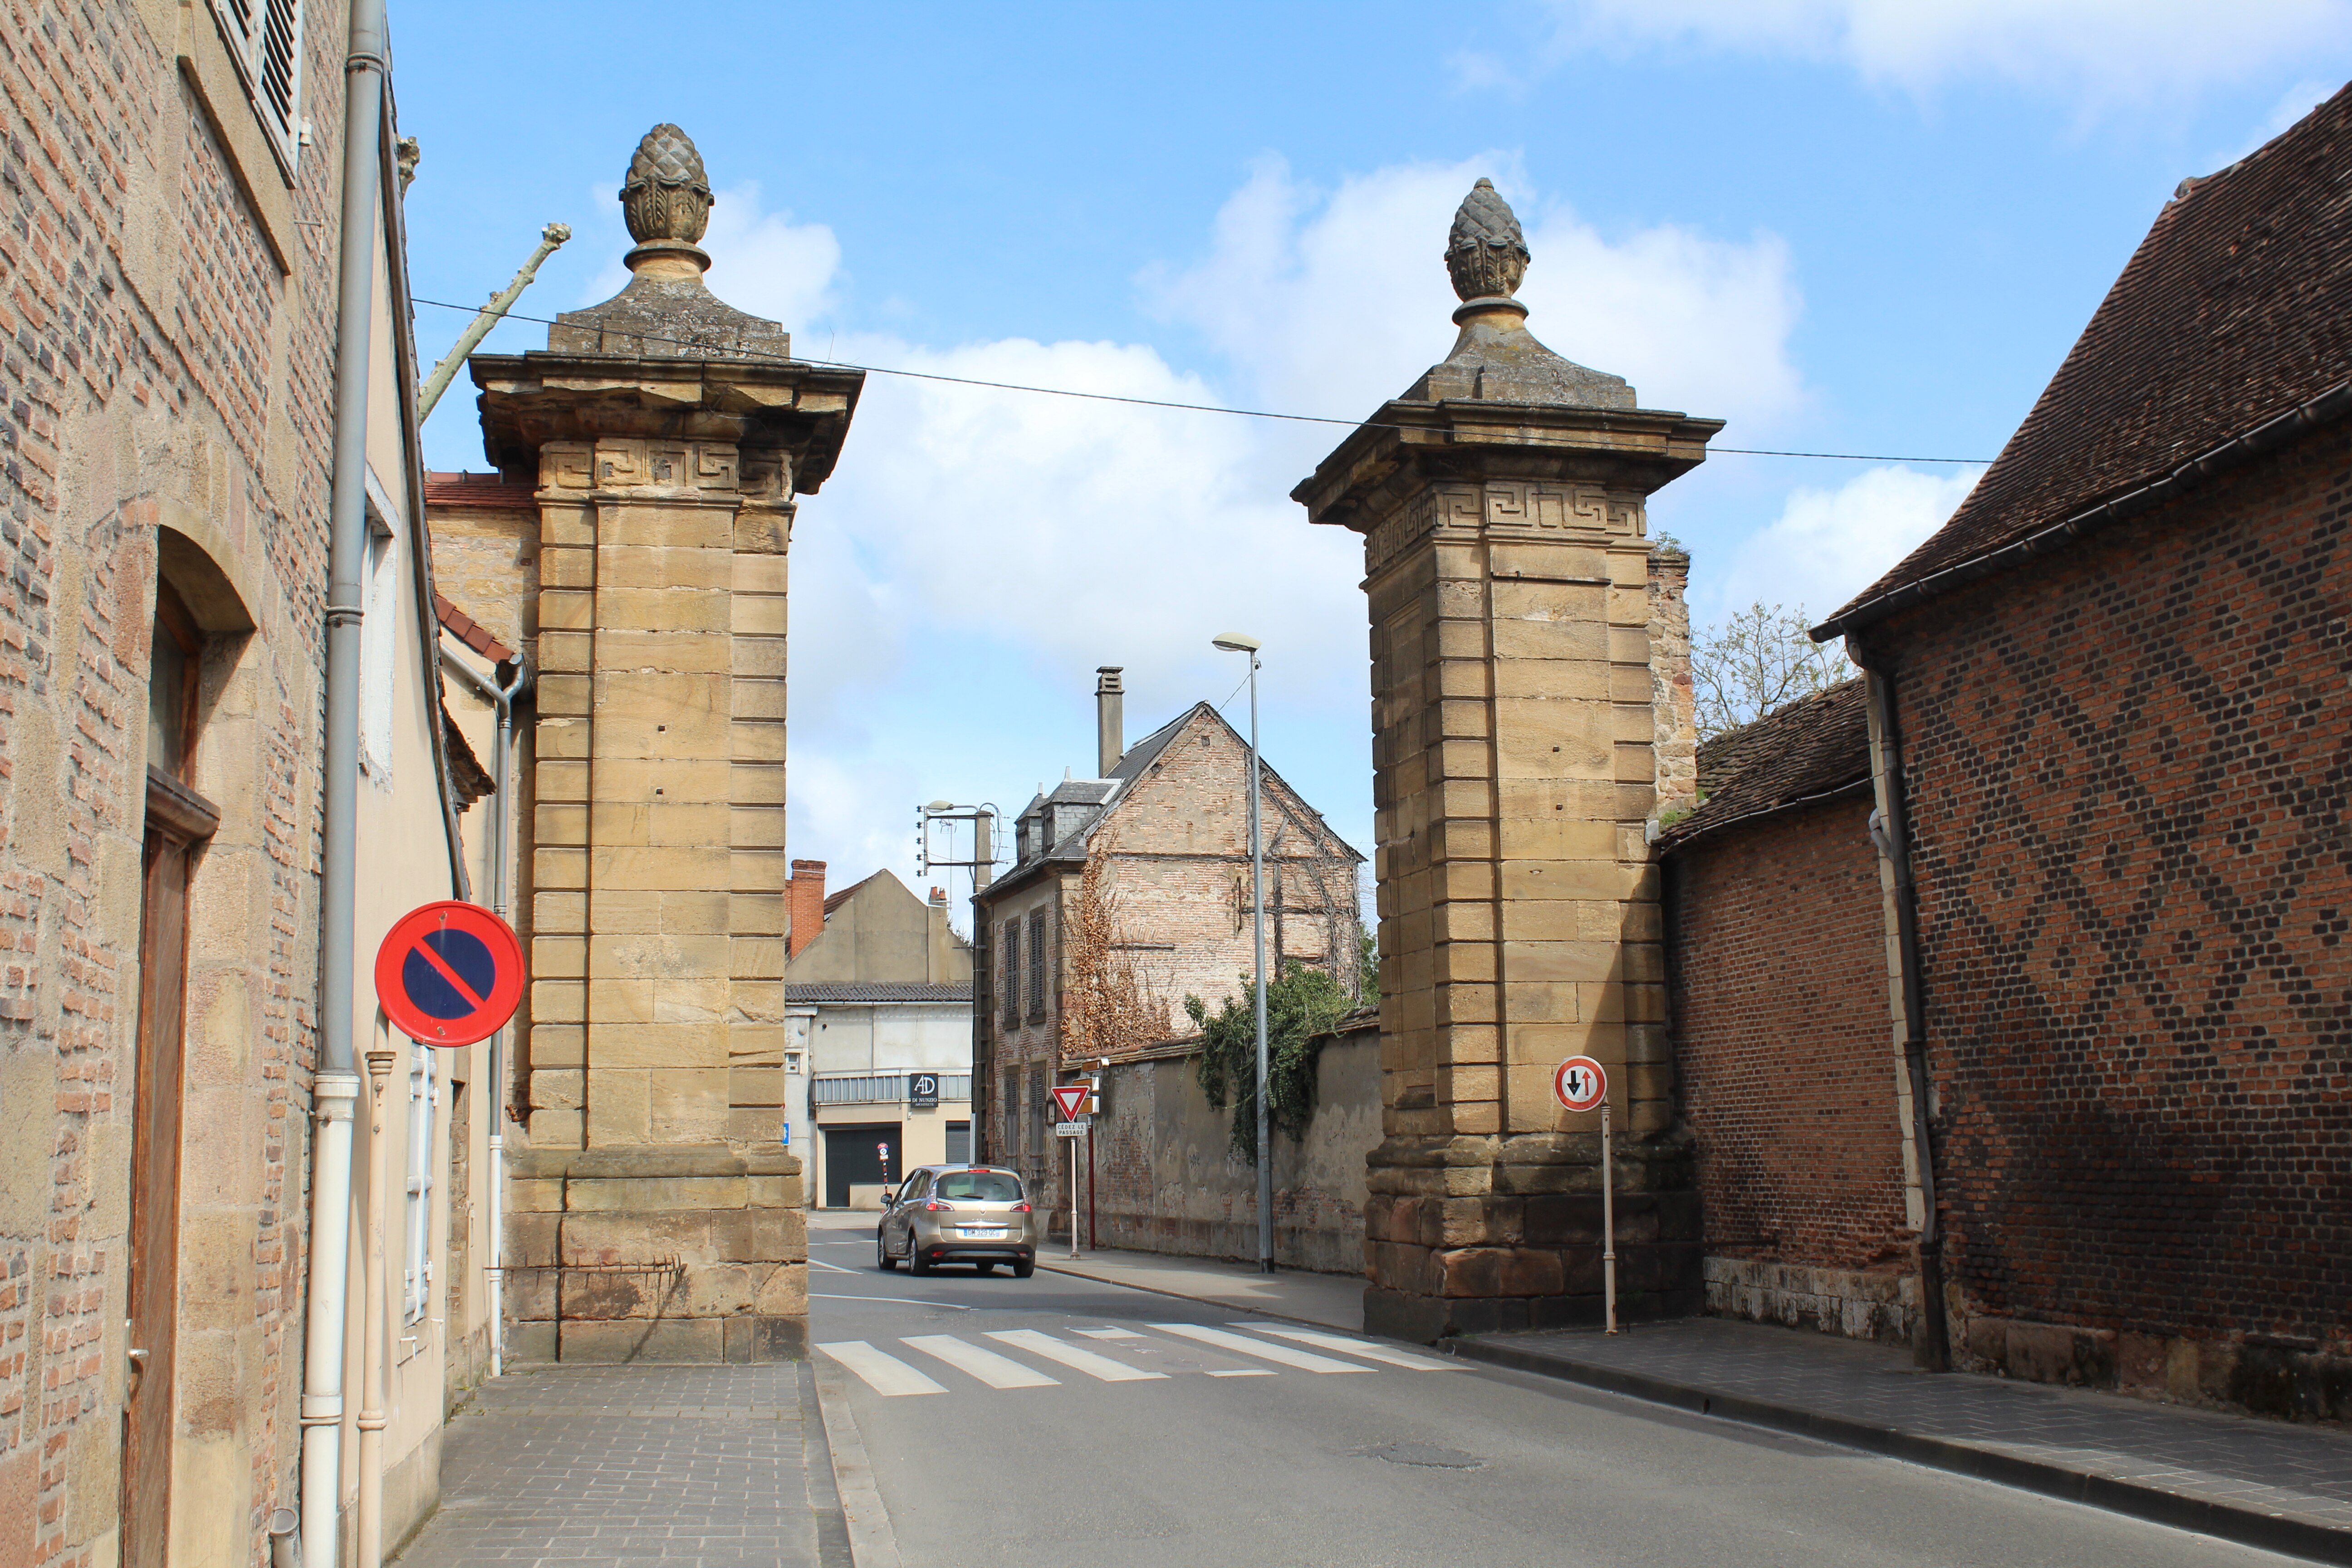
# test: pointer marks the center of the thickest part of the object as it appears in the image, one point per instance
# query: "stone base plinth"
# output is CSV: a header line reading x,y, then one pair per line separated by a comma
x,y
690,1254
1476,1234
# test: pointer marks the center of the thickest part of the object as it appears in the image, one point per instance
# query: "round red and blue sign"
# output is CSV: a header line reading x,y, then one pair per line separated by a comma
x,y
1580,1083
449,973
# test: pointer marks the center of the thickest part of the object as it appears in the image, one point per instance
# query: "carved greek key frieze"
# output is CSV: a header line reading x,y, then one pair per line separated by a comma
x,y
625,463
568,466
1447,508
1504,508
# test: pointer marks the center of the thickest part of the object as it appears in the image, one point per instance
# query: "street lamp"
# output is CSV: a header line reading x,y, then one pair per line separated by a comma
x,y
1235,642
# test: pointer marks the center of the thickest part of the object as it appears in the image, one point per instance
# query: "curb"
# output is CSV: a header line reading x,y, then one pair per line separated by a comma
x,y
2246,1527
872,1542
1202,1300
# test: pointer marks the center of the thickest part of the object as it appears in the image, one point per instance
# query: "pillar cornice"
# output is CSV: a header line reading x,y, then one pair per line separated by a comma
x,y
797,410
1408,444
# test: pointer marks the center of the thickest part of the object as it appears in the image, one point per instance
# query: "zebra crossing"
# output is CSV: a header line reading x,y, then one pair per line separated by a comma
x,y
916,1364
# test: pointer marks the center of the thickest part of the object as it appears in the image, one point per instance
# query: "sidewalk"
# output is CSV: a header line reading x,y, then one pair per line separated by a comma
x,y
2270,1484
1330,1300
2262,1483
682,1467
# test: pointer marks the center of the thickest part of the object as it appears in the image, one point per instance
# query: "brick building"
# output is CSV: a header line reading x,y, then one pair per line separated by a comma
x,y
1166,828
1785,1074
171,213
2104,734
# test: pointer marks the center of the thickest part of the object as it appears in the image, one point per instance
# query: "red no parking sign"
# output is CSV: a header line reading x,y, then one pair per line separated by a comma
x,y
449,973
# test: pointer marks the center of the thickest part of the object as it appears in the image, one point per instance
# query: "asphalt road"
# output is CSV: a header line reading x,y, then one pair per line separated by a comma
x,y
1056,1421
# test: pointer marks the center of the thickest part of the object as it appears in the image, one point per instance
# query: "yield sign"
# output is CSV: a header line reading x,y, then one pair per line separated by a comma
x,y
449,973
1070,1099
1580,1083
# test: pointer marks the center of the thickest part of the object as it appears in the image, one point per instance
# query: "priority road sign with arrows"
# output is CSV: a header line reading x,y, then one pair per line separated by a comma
x,y
449,973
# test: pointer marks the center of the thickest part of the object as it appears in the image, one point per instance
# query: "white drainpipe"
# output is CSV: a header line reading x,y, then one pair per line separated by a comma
x,y
336,1084
502,699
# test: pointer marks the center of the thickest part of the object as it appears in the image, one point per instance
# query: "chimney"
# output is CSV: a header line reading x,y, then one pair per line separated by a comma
x,y
937,948
805,904
1110,718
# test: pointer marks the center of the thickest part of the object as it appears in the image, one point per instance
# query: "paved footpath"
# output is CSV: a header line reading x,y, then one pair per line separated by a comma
x,y
656,1467
2274,1484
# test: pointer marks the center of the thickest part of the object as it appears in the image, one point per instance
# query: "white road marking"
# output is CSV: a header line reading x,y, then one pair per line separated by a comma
x,y
1248,1371
894,1300
1111,1333
1303,1361
837,1268
1071,1356
997,1371
884,1373
1405,1359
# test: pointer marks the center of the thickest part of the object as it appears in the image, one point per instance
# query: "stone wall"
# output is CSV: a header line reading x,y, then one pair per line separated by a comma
x,y
2128,796
1167,1180
1786,1075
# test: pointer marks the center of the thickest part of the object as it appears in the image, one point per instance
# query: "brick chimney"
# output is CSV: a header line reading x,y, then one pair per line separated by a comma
x,y
804,903
1110,718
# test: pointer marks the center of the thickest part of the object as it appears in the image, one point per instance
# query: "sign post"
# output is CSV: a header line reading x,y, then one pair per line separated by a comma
x,y
1580,1085
1070,1100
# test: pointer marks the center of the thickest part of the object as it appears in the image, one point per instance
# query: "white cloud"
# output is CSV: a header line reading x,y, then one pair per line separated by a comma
x,y
2110,50
1085,532
978,552
1331,304
1827,545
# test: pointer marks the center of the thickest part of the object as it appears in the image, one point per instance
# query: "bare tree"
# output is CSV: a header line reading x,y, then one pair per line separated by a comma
x,y
1111,1007
1759,659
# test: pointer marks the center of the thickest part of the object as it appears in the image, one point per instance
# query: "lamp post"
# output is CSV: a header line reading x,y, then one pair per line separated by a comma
x,y
1234,642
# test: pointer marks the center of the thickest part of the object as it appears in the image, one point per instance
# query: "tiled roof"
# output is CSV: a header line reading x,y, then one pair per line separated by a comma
x,y
479,491
1815,747
471,632
873,990
2236,311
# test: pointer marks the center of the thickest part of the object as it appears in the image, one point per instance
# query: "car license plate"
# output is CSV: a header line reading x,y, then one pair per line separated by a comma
x,y
981,1232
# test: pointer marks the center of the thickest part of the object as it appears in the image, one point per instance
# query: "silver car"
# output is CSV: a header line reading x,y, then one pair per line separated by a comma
x,y
957,1214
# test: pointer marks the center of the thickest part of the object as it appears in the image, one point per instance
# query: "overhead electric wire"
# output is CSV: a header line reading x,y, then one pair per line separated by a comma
x,y
1145,401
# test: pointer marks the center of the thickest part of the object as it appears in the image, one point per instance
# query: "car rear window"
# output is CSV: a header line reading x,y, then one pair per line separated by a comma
x,y
982,1186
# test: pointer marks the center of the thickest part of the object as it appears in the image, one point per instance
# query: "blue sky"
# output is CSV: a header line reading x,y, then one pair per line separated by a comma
x,y
1855,226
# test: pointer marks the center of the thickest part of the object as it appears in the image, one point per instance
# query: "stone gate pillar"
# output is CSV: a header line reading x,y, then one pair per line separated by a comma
x,y
1515,748
654,1215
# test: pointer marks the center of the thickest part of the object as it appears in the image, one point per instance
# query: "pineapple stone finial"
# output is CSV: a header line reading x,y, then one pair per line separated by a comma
x,y
1487,254
668,196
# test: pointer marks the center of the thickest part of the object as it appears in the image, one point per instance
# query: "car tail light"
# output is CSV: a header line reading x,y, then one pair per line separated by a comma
x,y
1020,1208
935,1205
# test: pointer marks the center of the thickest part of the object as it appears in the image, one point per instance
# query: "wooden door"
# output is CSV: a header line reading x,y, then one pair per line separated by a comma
x,y
155,1203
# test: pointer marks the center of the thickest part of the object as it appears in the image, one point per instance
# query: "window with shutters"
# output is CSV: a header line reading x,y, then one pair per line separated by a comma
x,y
1036,965
1012,945
265,39
424,1099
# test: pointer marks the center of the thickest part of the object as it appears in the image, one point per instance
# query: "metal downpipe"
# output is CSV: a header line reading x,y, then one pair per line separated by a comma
x,y
336,1085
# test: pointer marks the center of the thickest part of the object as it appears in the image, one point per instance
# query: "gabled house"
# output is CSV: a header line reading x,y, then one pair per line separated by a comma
x,y
1138,880
876,1075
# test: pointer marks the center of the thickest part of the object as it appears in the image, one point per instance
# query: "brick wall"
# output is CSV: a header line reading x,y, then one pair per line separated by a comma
x,y
1786,1069
158,368
2132,812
